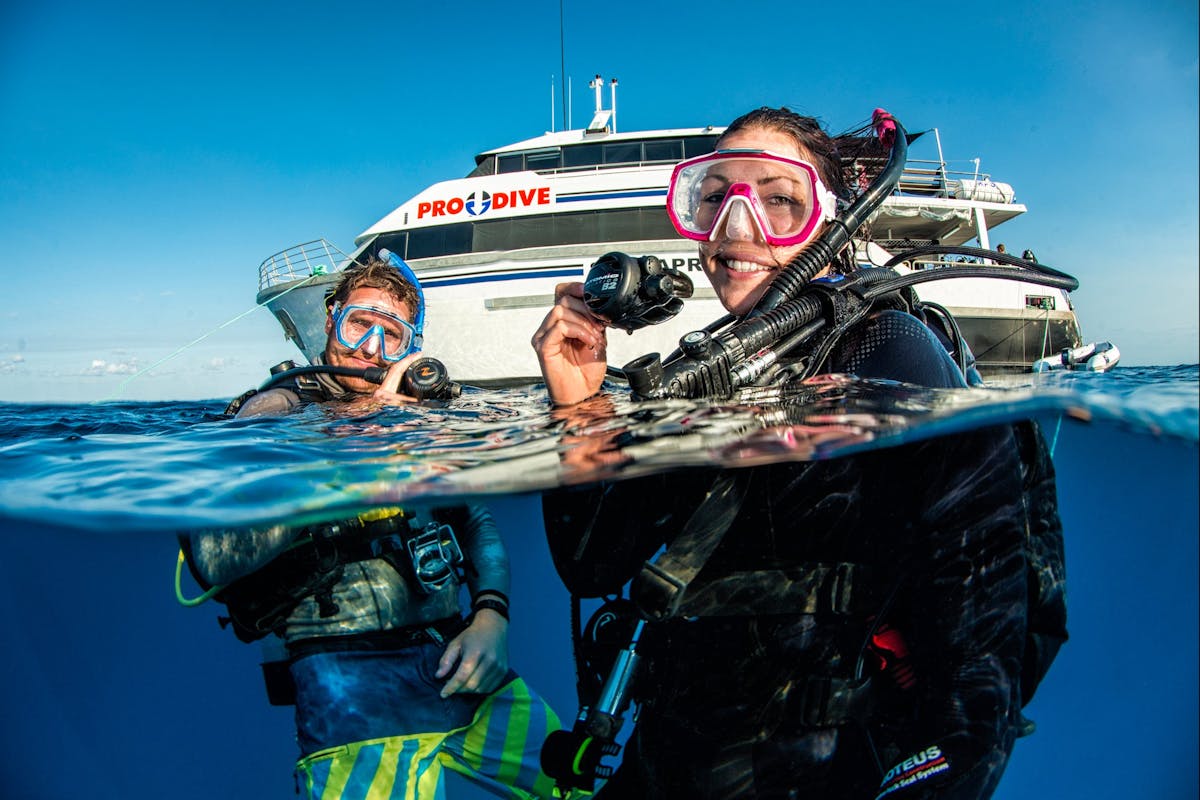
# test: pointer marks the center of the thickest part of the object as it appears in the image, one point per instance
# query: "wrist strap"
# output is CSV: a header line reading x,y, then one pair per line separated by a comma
x,y
495,593
489,602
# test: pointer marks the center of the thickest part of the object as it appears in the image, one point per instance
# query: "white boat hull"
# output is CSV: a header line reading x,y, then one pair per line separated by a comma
x,y
490,248
482,311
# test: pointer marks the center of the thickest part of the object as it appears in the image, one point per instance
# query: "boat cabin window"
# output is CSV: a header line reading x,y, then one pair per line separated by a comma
x,y
542,230
511,162
623,153
594,154
443,239
665,150
546,160
699,145
583,155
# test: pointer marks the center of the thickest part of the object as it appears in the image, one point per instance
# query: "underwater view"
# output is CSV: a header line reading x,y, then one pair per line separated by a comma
x,y
112,689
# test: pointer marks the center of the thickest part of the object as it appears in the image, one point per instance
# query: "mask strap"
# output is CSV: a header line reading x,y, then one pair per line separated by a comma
x,y
408,275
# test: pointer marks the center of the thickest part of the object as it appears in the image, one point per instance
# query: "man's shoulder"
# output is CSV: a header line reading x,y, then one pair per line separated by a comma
x,y
271,403
288,390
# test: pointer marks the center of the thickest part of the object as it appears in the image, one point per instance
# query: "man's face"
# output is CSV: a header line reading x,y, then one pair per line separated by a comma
x,y
369,352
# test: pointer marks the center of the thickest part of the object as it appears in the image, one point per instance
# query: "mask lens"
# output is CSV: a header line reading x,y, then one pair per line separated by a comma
x,y
781,193
357,324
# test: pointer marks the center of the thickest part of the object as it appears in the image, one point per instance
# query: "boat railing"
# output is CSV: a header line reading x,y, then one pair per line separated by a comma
x,y
949,263
317,257
936,179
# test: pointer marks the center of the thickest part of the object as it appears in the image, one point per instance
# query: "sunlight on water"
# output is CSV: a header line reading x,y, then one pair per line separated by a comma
x,y
178,465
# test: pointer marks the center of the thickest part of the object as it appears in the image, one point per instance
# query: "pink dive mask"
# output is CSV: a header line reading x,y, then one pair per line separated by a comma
x,y
748,192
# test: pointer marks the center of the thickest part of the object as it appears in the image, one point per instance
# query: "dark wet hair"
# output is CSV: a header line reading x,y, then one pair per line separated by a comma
x,y
808,134
375,274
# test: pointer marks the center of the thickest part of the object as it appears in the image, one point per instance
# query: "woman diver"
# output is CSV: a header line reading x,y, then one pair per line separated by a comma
x,y
856,627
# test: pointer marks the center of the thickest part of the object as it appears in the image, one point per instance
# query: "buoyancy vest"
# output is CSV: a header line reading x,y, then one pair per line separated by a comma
x,y
670,585
425,553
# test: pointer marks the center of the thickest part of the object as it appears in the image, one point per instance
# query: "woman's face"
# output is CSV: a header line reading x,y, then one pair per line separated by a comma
x,y
739,262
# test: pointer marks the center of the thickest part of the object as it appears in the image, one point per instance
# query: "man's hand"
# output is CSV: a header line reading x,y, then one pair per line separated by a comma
x,y
571,347
481,653
389,391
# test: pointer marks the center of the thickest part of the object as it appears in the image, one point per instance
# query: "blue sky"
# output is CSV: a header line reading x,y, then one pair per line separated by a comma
x,y
152,154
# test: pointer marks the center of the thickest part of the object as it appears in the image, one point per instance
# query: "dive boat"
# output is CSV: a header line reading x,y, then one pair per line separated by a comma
x,y
489,249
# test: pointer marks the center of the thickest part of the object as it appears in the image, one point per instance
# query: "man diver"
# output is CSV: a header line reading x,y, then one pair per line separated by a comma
x,y
389,682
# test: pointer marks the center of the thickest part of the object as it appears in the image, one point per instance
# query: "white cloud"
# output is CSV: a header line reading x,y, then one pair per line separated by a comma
x,y
101,367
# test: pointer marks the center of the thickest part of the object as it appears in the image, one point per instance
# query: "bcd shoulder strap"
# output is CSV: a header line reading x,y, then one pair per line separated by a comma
x,y
666,586
658,590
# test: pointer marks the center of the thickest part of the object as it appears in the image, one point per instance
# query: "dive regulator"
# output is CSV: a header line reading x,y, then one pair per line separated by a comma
x,y
629,292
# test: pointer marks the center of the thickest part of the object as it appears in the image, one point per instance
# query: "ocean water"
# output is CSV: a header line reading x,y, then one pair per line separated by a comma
x,y
110,689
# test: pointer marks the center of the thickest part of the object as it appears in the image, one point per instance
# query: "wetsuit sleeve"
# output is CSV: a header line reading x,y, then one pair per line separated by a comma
x,y
964,615
220,557
271,403
483,549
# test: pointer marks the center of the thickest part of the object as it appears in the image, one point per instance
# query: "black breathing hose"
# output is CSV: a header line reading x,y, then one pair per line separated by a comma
x,y
370,374
1053,277
894,282
840,231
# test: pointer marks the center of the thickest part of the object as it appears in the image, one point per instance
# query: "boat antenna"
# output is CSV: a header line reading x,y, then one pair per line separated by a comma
x,y
552,103
614,105
597,83
562,53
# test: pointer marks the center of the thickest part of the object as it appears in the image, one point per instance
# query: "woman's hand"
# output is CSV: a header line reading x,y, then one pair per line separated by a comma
x,y
571,347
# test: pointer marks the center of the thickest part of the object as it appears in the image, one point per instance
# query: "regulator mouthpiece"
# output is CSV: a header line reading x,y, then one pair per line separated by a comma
x,y
631,293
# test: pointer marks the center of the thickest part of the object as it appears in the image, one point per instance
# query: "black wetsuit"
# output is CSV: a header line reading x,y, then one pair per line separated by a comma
x,y
740,706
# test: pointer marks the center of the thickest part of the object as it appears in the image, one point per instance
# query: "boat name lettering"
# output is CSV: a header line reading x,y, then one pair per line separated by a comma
x,y
690,264
480,202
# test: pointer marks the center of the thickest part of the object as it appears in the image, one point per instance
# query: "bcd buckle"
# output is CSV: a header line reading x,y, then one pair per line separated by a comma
x,y
657,592
435,554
